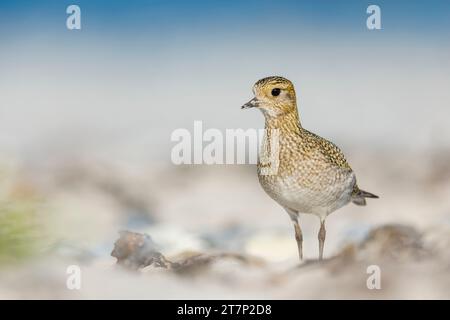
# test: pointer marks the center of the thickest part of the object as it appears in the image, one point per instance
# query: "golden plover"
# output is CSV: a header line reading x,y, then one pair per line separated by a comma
x,y
307,174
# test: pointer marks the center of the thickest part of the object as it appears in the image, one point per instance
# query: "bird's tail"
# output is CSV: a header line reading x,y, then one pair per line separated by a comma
x,y
359,196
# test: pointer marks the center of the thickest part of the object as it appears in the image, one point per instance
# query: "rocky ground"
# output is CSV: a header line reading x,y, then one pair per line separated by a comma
x,y
210,232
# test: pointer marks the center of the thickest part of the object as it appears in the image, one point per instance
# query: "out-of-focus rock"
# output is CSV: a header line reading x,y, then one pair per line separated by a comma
x,y
198,263
135,251
385,244
398,242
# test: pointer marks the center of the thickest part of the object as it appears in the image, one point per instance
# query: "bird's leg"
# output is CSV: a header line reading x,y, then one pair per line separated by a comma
x,y
299,238
321,237
298,232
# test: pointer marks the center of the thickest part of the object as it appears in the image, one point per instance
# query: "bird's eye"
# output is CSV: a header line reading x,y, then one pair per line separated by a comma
x,y
276,92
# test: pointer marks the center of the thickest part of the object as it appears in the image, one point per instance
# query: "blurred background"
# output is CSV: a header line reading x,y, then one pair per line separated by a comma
x,y
86,118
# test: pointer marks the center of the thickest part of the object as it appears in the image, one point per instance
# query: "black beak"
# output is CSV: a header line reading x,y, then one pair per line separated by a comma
x,y
252,103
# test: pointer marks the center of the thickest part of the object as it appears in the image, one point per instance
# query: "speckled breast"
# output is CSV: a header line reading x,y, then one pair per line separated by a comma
x,y
304,181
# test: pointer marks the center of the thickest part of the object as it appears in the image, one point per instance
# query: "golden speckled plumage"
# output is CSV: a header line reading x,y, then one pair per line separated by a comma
x,y
311,174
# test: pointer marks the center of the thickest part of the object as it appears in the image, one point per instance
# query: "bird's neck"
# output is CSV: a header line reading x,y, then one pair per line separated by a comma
x,y
286,122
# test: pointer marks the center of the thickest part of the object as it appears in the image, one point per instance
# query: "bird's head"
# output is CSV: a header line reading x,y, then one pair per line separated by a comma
x,y
274,96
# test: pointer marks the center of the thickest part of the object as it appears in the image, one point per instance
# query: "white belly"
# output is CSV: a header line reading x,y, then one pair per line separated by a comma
x,y
313,200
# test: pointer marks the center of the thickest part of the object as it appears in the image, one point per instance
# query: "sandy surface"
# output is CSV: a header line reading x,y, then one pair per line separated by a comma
x,y
242,243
